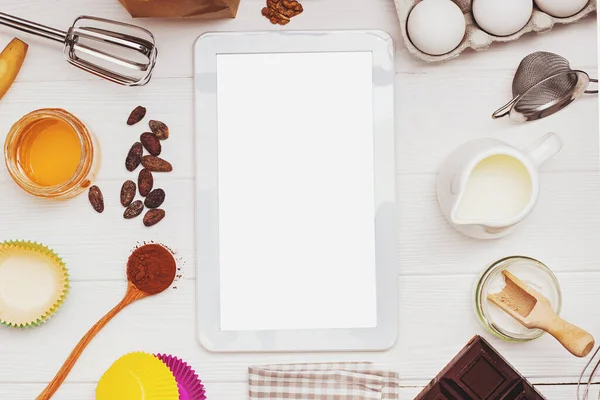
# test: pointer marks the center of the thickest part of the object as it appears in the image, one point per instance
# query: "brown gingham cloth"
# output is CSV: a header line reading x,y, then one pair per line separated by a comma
x,y
329,381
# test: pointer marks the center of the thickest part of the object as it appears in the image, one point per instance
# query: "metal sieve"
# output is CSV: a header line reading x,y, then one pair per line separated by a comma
x,y
544,84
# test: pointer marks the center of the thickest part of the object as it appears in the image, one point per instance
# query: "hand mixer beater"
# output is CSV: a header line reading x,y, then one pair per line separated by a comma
x,y
116,51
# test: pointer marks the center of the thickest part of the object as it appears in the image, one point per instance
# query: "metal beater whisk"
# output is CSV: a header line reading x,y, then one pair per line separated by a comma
x,y
584,385
126,56
544,84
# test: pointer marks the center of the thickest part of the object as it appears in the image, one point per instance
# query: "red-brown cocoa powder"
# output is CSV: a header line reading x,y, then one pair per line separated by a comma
x,y
151,268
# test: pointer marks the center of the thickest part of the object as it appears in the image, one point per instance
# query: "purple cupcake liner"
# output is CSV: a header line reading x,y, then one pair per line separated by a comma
x,y
190,386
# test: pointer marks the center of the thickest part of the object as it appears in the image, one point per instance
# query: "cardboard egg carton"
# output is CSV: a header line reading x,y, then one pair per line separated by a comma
x,y
475,37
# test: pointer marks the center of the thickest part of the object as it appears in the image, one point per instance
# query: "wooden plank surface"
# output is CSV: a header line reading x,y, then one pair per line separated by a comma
x,y
438,108
163,324
227,391
175,38
96,247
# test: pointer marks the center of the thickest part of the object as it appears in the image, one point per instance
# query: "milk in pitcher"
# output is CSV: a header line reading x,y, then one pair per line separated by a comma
x,y
499,188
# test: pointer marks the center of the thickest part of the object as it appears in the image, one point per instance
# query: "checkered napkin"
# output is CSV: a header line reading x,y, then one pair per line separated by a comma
x,y
331,381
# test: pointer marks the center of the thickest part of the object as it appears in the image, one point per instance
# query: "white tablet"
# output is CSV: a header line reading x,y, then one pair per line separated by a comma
x,y
296,220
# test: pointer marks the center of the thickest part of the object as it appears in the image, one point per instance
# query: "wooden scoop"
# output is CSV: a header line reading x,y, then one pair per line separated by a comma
x,y
534,311
153,274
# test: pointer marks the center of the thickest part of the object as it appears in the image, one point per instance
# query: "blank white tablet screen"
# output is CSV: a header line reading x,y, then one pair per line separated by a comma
x,y
296,191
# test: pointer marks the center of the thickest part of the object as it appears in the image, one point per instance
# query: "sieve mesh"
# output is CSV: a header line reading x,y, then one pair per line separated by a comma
x,y
548,92
535,68
543,84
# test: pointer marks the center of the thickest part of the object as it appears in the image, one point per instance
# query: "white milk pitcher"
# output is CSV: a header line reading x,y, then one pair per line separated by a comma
x,y
486,186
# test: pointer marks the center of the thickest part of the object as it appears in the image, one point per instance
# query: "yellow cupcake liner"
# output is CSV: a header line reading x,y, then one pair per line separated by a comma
x,y
138,376
34,283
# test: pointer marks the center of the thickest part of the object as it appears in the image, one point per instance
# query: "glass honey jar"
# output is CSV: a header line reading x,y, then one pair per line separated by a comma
x,y
51,153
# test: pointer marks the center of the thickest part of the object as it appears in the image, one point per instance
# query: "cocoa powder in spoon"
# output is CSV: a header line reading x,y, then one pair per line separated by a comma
x,y
151,268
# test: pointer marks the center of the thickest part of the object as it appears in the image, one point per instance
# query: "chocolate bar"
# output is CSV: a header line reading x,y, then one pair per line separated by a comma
x,y
479,372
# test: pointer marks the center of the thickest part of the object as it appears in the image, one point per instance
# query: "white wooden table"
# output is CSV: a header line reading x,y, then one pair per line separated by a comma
x,y
438,108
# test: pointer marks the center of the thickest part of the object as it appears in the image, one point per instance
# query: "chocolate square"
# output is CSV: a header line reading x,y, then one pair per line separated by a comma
x,y
479,372
521,391
482,378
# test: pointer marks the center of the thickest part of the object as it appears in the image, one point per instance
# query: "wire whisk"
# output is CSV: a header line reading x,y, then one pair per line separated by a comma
x,y
584,385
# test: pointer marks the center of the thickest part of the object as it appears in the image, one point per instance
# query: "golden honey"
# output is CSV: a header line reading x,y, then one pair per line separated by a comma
x,y
50,153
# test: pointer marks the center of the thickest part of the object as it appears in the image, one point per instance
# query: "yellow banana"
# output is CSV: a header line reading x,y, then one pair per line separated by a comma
x,y
11,60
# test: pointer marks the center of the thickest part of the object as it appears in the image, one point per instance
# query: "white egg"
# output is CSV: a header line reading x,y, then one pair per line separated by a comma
x,y
561,8
436,26
503,17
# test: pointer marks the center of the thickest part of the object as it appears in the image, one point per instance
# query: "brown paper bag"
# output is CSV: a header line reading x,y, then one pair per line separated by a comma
x,y
181,8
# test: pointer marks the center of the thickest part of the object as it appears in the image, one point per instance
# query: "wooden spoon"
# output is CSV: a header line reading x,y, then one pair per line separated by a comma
x,y
534,311
153,259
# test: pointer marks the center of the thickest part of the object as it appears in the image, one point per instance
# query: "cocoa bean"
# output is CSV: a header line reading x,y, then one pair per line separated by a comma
x,y
134,209
154,216
145,182
134,157
155,198
156,164
96,198
159,129
136,115
127,193
151,143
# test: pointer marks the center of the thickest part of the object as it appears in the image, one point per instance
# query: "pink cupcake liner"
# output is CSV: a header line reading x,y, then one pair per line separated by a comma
x,y
190,386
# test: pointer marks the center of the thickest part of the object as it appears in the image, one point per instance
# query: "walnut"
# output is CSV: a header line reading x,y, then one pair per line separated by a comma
x,y
292,5
280,11
275,17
